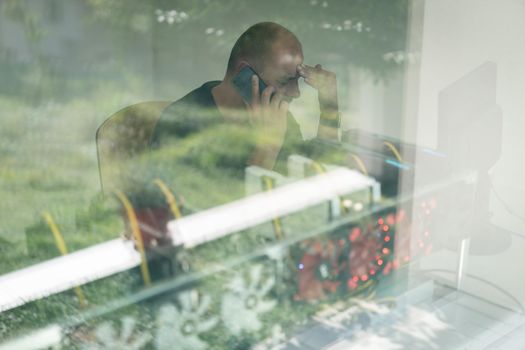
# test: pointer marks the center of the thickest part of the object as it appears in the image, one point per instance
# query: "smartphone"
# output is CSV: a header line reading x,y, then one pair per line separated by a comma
x,y
243,83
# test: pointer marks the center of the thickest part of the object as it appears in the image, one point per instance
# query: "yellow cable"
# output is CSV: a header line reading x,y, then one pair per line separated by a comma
x,y
62,248
360,164
138,237
275,222
361,287
367,284
371,295
394,150
170,198
318,167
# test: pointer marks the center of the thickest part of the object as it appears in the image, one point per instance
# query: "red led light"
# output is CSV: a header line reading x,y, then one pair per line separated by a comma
x,y
395,264
364,278
390,219
385,228
387,268
372,272
355,278
354,234
352,284
386,251
380,221
387,239
379,262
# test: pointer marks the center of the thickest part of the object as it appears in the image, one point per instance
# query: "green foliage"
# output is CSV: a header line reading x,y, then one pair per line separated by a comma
x,y
101,213
205,168
356,32
20,11
54,102
225,148
142,192
40,241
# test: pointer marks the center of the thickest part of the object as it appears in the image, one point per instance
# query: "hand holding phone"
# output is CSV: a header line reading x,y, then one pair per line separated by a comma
x,y
243,83
267,113
267,108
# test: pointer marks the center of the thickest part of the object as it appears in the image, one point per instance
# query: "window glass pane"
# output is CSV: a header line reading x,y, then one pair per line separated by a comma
x,y
268,175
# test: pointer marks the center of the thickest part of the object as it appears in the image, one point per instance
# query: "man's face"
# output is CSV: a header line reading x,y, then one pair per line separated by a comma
x,y
280,71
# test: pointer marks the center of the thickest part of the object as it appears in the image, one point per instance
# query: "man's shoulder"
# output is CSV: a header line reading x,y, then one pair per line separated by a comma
x,y
199,97
193,112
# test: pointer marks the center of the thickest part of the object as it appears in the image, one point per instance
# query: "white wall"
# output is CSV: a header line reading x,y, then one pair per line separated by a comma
x,y
458,36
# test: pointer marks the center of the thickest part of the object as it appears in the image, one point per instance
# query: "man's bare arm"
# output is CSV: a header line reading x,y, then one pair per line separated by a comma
x,y
325,83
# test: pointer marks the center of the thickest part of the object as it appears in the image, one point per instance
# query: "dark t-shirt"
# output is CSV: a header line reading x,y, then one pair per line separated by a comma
x,y
201,156
190,114
197,113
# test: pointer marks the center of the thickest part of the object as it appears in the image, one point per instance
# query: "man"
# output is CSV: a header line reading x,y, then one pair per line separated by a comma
x,y
276,55
203,142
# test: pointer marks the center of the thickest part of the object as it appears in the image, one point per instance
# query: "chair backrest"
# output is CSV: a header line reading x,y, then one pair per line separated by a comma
x,y
124,135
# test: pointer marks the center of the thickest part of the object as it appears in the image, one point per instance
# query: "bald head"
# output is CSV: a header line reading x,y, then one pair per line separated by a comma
x,y
262,43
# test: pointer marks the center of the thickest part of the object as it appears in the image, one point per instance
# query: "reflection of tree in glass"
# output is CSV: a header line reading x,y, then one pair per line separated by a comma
x,y
421,325
360,32
387,323
107,337
242,307
179,327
